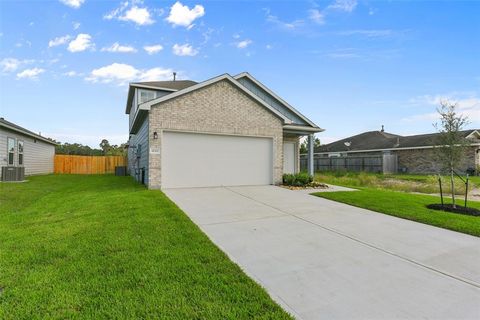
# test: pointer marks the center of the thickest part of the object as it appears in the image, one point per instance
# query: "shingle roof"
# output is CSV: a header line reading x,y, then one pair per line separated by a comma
x,y
375,140
14,127
175,85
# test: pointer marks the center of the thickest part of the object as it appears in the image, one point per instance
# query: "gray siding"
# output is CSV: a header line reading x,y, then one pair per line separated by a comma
x,y
38,156
265,96
136,164
136,102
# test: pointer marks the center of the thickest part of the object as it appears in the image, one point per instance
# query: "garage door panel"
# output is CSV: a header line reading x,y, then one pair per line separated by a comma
x,y
205,160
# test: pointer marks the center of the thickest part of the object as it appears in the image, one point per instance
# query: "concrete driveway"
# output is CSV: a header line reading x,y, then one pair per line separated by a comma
x,y
324,260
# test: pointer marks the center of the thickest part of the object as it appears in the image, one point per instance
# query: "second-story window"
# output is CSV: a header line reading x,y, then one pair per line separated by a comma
x,y
146,95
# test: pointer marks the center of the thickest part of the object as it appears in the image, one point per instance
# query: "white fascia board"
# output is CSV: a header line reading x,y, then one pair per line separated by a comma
x,y
286,104
147,105
143,86
475,132
302,128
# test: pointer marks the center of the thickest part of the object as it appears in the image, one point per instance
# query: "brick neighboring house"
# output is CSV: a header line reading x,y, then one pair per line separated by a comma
x,y
415,153
224,131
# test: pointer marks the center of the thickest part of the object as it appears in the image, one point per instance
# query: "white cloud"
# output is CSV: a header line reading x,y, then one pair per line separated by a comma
x,y
243,44
181,15
343,5
121,73
116,47
184,50
131,12
73,3
293,25
82,42
30,73
10,64
76,25
468,105
155,74
153,48
367,33
269,47
140,16
316,16
59,41
70,73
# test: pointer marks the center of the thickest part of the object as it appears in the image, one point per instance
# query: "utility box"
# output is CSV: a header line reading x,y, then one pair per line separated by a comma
x,y
13,173
121,171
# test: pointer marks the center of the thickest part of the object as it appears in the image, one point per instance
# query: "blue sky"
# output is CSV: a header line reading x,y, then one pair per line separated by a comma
x,y
350,66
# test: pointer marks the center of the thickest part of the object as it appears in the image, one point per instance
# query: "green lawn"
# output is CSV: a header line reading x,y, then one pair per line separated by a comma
x,y
104,247
408,206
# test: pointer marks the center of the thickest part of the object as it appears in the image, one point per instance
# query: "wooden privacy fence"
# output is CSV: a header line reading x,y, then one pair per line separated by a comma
x,y
386,163
87,164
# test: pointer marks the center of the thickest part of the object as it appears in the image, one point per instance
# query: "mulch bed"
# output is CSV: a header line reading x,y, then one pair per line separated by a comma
x,y
459,209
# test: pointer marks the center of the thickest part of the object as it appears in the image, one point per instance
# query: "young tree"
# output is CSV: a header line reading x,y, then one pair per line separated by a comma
x,y
450,146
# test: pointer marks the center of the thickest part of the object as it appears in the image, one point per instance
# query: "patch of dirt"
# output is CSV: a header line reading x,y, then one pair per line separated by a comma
x,y
459,209
312,185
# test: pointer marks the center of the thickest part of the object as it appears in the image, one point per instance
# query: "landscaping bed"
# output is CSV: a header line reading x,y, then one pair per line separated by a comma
x,y
408,206
458,209
104,247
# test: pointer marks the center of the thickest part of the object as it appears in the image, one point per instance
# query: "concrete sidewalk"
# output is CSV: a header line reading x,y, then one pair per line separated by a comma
x,y
325,260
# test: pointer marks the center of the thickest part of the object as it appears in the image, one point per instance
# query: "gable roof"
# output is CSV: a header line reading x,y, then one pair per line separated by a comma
x,y
276,97
192,86
12,126
378,140
147,105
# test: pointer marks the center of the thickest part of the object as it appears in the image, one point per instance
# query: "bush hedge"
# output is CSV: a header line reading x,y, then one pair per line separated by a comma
x,y
298,179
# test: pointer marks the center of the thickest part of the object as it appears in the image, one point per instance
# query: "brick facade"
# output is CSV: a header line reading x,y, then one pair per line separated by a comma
x,y
218,108
424,160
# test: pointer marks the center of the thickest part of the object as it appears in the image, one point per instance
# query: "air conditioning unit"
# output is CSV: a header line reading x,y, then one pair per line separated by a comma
x,y
13,173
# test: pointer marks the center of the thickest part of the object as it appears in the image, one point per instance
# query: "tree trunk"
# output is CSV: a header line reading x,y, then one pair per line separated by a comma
x,y
453,188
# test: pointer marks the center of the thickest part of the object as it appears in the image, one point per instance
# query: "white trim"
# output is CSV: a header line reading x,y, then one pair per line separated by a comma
x,y
302,128
147,105
270,92
143,86
472,133
388,149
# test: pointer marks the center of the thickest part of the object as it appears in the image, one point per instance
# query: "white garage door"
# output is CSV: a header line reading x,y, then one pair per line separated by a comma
x,y
208,160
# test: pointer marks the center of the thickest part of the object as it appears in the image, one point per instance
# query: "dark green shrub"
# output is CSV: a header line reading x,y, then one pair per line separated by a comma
x,y
298,179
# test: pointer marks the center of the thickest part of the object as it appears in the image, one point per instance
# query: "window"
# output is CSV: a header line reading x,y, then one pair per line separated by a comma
x,y
146,95
20,152
11,151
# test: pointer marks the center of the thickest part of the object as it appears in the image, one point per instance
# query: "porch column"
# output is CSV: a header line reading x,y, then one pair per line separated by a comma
x,y
310,154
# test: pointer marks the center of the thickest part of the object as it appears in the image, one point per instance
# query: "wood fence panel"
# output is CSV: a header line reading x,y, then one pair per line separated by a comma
x,y
70,164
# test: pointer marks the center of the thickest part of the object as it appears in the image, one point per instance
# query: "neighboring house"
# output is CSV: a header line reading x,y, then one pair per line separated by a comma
x,y
20,147
225,131
415,154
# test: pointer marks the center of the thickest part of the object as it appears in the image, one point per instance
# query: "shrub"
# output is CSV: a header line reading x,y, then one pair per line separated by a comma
x,y
298,179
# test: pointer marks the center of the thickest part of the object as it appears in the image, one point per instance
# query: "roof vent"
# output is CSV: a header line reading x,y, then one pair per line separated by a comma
x,y
174,76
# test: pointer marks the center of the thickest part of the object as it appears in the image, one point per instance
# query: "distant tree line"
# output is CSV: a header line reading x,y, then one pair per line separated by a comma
x,y
106,149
